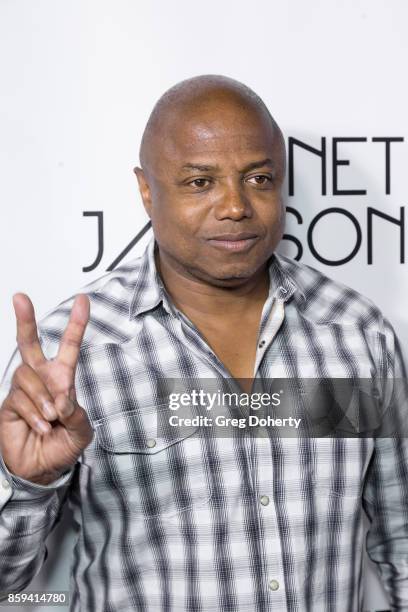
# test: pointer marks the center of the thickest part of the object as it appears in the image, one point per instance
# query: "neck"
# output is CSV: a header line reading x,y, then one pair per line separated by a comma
x,y
191,294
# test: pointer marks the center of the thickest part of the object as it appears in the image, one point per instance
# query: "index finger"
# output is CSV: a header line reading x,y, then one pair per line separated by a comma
x,y
71,340
27,336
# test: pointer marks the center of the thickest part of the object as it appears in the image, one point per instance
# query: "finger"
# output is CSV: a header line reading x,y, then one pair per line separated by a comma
x,y
75,420
70,345
27,379
20,405
27,336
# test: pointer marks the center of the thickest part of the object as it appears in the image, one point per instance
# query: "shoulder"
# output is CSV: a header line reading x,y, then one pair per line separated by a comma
x,y
110,296
328,301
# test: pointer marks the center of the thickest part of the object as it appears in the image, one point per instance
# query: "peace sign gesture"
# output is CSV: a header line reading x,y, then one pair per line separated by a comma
x,y
43,430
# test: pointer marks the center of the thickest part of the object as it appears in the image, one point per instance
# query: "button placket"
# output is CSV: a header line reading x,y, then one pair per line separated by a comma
x,y
269,521
270,329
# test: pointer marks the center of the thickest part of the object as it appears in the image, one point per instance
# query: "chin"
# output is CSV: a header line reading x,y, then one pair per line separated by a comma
x,y
229,276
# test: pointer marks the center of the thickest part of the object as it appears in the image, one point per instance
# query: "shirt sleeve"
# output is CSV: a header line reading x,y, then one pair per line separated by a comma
x,y
385,493
28,514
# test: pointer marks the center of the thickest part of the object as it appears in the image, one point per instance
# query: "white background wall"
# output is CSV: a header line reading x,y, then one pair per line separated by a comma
x,y
79,78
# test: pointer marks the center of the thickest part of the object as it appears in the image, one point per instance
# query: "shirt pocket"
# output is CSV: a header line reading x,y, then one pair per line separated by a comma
x,y
340,466
158,472
335,513
340,407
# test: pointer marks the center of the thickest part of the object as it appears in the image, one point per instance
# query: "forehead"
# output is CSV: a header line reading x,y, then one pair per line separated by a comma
x,y
219,136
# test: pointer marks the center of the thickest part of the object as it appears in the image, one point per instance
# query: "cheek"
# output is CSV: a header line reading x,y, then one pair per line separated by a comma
x,y
281,214
272,213
177,228
178,216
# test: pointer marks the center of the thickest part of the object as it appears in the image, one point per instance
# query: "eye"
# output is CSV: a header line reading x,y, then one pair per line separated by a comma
x,y
260,179
199,182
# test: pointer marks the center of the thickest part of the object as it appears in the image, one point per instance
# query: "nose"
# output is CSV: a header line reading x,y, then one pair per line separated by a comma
x,y
233,203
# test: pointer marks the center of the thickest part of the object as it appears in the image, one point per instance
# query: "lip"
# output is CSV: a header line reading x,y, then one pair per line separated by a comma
x,y
241,241
234,236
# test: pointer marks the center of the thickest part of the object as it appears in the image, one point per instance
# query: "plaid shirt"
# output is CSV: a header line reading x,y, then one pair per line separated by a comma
x,y
238,523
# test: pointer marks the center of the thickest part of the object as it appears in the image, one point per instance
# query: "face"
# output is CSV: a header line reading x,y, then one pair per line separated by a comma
x,y
213,193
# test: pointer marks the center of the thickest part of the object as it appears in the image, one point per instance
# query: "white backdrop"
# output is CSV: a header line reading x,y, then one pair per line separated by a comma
x,y
78,80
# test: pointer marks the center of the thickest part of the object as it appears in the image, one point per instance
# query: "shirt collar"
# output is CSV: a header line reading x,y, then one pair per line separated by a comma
x,y
282,283
149,290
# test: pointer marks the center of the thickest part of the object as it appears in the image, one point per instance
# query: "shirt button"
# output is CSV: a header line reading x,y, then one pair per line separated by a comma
x,y
273,585
262,344
5,484
264,500
151,443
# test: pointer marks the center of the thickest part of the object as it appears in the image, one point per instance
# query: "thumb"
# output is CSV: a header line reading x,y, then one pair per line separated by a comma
x,y
74,419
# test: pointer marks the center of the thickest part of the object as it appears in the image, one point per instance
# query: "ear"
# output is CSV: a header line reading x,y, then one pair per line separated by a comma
x,y
144,189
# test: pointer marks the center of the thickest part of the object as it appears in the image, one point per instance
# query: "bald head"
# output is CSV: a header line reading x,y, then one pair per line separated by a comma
x,y
196,100
213,165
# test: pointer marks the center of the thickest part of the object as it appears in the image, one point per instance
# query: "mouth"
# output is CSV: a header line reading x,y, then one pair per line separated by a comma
x,y
242,241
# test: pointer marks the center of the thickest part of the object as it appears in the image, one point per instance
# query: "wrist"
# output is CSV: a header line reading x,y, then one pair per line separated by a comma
x,y
44,478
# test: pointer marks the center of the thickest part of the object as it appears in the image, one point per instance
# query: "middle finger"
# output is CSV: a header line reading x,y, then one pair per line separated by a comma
x,y
28,380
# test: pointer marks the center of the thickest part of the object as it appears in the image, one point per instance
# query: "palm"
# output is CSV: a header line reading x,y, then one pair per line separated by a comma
x,y
54,451
34,453
59,377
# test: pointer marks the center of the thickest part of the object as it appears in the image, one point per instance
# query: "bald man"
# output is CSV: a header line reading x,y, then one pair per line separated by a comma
x,y
195,519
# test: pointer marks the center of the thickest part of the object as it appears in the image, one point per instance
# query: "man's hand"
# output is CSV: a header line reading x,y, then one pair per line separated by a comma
x,y
43,430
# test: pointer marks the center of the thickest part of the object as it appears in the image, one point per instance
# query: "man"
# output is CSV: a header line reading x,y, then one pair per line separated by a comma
x,y
194,522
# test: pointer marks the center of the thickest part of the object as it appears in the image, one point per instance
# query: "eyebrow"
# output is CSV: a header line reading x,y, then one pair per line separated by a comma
x,y
258,164
200,167
207,168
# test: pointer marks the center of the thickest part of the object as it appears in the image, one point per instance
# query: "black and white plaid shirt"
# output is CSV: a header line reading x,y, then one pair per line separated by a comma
x,y
239,523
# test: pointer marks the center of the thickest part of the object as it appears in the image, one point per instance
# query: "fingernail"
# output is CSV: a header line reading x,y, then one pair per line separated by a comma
x,y
68,408
49,410
42,426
